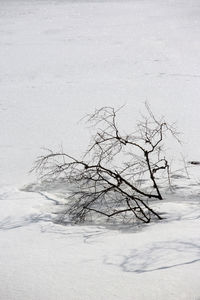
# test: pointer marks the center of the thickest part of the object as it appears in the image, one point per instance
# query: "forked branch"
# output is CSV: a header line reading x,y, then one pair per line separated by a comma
x,y
107,180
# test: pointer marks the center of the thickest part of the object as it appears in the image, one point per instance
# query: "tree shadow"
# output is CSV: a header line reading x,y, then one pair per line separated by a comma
x,y
9,223
49,223
159,256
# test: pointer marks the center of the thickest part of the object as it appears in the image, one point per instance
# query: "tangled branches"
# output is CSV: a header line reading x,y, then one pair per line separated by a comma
x,y
107,179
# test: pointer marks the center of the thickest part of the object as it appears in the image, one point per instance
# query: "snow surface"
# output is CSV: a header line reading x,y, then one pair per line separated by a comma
x,y
58,61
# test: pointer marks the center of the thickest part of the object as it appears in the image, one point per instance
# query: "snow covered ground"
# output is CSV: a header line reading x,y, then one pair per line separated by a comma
x,y
58,61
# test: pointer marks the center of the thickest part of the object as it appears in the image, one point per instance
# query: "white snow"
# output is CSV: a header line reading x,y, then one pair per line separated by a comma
x,y
59,60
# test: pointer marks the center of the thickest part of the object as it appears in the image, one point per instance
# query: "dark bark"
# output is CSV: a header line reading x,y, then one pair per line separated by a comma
x,y
103,184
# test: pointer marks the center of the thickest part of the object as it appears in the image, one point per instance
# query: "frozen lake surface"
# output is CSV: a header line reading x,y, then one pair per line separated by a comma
x,y
59,60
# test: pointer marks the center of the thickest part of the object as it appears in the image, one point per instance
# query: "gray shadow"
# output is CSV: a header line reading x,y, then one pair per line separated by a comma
x,y
159,256
9,223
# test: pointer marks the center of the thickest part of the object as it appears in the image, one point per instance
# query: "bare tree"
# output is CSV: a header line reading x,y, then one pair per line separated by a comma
x,y
107,180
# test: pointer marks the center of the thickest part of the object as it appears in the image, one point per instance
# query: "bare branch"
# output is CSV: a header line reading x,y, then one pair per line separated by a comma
x,y
108,179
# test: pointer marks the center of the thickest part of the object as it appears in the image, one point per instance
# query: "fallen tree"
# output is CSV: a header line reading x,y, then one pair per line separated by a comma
x,y
108,179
